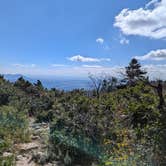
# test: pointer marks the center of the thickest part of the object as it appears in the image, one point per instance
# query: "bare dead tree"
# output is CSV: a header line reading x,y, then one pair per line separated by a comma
x,y
103,83
96,83
159,89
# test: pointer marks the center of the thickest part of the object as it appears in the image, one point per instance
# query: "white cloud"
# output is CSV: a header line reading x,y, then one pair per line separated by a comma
x,y
156,71
100,40
79,58
156,55
145,21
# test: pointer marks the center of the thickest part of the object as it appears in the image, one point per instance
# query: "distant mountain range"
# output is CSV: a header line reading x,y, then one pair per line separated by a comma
x,y
63,83
14,77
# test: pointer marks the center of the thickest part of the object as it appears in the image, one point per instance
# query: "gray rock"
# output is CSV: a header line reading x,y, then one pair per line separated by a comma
x,y
19,157
7,154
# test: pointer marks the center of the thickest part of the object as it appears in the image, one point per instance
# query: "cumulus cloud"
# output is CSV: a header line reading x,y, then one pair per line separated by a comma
x,y
146,21
100,40
79,58
156,55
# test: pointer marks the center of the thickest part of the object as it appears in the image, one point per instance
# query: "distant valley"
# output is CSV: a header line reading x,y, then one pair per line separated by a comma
x,y
62,83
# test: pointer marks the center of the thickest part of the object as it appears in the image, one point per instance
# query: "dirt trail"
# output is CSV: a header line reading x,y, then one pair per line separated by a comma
x,y
26,153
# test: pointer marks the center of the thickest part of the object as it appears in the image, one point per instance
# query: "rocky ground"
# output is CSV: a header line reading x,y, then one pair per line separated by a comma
x,y
34,153
26,152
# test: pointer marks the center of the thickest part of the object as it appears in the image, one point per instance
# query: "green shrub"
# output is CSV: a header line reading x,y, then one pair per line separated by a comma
x,y
13,129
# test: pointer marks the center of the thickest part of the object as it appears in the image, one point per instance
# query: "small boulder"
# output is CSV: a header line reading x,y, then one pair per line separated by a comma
x,y
27,147
7,154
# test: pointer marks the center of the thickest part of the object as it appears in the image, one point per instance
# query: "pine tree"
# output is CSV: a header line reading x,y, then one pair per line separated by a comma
x,y
22,83
134,72
39,85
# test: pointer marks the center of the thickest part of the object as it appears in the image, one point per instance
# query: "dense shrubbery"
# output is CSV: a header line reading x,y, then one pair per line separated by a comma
x,y
13,129
84,123
13,120
114,124
122,125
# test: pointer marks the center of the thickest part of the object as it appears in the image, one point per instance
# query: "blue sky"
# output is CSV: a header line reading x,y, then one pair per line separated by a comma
x,y
74,37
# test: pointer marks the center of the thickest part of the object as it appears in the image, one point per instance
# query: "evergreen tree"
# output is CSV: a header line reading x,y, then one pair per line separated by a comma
x,y
39,84
134,72
22,83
